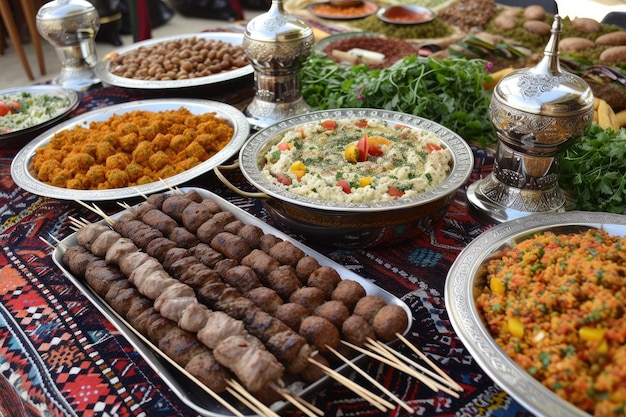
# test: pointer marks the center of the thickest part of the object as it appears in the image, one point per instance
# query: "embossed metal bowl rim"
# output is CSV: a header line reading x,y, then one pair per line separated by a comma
x,y
371,9
20,167
322,43
462,285
103,67
251,158
49,90
382,14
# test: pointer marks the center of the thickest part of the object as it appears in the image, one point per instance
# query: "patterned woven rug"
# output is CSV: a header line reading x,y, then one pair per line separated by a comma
x,y
65,359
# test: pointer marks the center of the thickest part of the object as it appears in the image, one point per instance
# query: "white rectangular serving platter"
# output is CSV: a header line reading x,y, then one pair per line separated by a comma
x,y
185,386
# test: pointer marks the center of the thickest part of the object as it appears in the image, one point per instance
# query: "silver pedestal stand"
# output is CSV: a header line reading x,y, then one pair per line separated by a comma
x,y
536,112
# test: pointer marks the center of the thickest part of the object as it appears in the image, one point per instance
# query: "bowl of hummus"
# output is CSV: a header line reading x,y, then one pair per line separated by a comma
x,y
356,177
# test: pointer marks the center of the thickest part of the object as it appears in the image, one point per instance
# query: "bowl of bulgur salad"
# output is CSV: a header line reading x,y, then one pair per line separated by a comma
x,y
540,304
356,177
25,111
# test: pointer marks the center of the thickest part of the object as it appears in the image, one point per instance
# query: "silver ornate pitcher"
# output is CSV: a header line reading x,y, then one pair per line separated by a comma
x,y
276,44
71,27
536,112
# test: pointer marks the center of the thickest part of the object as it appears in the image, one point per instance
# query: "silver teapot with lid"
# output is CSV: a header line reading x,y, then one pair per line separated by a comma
x,y
277,45
537,113
71,27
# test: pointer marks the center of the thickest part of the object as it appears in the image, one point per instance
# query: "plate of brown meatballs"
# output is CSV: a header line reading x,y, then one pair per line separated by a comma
x,y
207,292
177,62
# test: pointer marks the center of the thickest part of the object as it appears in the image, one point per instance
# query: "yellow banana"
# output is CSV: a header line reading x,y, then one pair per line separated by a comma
x,y
621,118
606,116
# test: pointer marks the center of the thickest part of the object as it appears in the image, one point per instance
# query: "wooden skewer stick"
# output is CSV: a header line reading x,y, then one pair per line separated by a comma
x,y
46,242
308,409
140,193
244,401
399,365
172,189
404,366
77,222
57,241
372,381
213,394
378,402
279,387
393,363
124,205
96,210
411,362
265,410
430,363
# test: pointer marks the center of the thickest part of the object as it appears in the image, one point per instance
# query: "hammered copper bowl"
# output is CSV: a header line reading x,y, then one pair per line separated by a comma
x,y
350,224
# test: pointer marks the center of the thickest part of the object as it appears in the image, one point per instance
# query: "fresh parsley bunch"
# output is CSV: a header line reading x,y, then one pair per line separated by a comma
x,y
447,91
593,170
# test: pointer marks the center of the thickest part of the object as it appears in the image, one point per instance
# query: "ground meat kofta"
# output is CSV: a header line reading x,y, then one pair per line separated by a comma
x,y
368,306
242,277
195,214
356,330
267,241
389,320
261,263
334,311
265,298
309,297
305,267
286,253
252,234
349,292
320,333
325,278
292,314
234,226
174,205
284,281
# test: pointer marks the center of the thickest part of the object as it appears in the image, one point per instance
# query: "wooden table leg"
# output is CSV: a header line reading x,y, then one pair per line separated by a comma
x,y
29,14
9,23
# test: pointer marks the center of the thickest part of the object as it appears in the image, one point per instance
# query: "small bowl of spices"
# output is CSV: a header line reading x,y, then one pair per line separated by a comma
x,y
405,14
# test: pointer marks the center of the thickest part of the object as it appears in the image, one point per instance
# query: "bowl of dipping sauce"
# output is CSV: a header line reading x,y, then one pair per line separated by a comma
x,y
405,14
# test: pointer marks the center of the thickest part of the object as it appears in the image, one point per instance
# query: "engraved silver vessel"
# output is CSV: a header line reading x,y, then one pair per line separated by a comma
x,y
536,112
71,27
276,44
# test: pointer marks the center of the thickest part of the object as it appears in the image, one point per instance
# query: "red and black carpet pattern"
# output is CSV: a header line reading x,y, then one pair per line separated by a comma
x,y
65,359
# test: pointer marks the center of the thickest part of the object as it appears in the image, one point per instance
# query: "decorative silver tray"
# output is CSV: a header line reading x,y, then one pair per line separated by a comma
x,y
50,90
463,284
414,14
20,167
182,383
253,151
102,68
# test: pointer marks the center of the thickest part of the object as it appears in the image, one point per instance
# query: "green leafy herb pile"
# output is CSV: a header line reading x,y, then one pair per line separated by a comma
x,y
447,91
593,169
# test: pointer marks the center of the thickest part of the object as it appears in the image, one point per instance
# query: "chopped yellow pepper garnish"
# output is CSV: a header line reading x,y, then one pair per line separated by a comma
x,y
603,348
298,169
516,327
352,153
496,285
365,181
594,334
